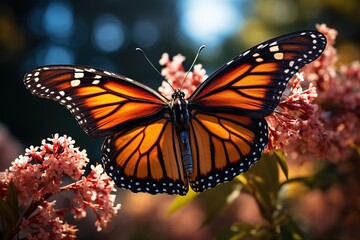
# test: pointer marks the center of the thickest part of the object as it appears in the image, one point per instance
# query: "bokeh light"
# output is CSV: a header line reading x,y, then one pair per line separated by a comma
x,y
210,21
108,33
58,55
58,20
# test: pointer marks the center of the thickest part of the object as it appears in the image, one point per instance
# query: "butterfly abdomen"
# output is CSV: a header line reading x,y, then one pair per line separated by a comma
x,y
186,152
182,122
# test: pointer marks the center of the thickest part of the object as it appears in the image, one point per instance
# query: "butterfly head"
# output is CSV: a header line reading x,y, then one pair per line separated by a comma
x,y
178,94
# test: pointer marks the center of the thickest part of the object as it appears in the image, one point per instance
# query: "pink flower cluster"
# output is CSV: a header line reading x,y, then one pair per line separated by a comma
x,y
339,98
174,73
41,173
294,116
326,123
93,191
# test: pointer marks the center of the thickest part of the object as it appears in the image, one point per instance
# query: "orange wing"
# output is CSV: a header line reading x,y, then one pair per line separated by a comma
x,y
224,145
102,102
252,83
146,159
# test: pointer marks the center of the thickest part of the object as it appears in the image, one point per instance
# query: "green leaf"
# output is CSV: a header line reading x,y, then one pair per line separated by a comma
x,y
263,182
213,200
246,231
181,201
325,176
265,174
290,230
280,157
7,213
267,170
236,231
265,198
217,199
12,200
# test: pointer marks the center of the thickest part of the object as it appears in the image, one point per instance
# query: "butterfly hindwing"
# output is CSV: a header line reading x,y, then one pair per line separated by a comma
x,y
223,146
102,102
251,84
146,158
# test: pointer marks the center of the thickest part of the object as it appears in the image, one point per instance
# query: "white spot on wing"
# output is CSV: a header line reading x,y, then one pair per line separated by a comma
x,y
273,43
279,56
75,83
274,48
229,62
78,70
78,75
245,53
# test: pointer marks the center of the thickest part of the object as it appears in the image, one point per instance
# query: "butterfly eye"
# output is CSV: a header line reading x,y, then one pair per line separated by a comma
x,y
182,94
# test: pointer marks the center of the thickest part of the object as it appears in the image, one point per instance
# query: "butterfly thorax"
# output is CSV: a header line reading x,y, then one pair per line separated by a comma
x,y
180,111
180,115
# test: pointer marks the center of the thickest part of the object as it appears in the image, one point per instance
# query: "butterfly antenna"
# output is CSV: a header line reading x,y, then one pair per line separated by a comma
x,y
193,63
152,65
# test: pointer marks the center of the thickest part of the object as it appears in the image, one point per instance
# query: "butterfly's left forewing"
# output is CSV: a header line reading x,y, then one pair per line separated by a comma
x,y
102,102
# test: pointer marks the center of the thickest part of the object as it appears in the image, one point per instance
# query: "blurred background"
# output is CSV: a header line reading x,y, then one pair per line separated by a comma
x,y
105,34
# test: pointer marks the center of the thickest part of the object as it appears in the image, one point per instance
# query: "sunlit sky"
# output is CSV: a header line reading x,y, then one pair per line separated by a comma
x,y
209,21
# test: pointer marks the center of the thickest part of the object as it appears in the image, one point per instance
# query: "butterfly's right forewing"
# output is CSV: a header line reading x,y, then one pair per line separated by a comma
x,y
252,83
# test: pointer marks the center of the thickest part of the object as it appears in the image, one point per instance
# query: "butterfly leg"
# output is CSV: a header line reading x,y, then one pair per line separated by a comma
x,y
186,152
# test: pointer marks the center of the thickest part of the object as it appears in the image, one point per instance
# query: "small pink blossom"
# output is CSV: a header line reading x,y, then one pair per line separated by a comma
x,y
295,114
40,170
175,73
93,191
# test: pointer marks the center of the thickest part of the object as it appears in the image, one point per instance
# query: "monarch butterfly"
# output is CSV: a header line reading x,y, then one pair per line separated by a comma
x,y
159,145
